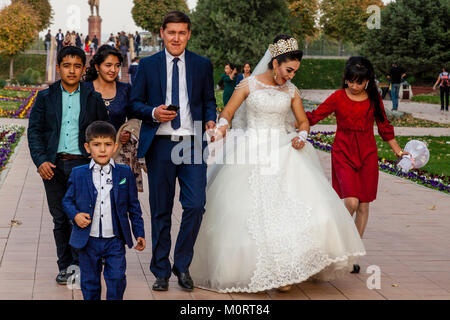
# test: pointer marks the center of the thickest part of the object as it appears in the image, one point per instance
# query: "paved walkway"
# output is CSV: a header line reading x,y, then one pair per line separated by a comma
x,y
399,131
407,237
425,111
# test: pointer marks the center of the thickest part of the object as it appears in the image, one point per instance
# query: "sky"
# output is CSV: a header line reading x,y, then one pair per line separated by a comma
x,y
116,15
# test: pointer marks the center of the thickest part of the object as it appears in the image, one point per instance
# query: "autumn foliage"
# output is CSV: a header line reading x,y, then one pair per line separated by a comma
x,y
18,29
43,10
149,14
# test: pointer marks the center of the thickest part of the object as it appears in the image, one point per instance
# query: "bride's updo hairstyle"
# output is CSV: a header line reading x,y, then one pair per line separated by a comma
x,y
288,56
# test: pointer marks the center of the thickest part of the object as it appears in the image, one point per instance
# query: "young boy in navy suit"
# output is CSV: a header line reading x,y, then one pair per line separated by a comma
x,y
100,201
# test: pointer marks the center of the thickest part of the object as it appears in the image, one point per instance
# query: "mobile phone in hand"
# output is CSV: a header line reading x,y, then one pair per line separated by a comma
x,y
173,108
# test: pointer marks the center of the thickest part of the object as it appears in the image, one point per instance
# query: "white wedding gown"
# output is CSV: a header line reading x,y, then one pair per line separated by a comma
x,y
273,224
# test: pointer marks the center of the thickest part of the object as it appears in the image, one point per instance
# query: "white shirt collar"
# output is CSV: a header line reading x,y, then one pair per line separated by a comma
x,y
93,163
170,57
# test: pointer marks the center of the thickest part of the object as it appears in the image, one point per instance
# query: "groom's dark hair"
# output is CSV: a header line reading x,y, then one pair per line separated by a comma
x,y
176,17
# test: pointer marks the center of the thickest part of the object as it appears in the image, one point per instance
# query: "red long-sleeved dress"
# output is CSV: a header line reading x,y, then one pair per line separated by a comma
x,y
354,156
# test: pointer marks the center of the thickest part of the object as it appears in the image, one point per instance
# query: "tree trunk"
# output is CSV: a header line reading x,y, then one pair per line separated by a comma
x,y
339,47
11,69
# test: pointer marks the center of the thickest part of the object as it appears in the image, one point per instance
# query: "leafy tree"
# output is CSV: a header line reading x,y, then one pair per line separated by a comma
x,y
303,14
149,14
346,20
236,30
414,33
43,10
18,29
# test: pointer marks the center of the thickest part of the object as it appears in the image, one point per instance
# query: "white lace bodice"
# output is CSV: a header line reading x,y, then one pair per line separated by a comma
x,y
266,107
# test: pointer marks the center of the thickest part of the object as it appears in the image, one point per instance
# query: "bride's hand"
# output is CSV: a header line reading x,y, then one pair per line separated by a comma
x,y
297,143
221,132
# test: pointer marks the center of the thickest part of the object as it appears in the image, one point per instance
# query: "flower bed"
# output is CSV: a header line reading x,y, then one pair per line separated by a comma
x,y
23,111
9,137
324,141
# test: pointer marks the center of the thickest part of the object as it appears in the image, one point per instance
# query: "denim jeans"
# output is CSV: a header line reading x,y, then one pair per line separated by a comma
x,y
395,89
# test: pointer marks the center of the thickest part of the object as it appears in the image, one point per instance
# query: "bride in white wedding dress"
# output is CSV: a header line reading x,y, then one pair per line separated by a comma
x,y
272,218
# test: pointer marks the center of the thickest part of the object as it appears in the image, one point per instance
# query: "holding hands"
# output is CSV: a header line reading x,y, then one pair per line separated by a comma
x,y
221,130
300,141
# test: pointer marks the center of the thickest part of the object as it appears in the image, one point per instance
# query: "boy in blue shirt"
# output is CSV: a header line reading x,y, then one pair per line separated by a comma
x,y
101,200
56,137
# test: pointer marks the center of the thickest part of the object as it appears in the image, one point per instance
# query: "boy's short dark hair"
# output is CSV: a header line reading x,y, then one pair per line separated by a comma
x,y
72,52
176,17
100,129
135,59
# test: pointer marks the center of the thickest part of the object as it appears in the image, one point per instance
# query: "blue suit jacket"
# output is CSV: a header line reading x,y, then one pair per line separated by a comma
x,y
81,196
149,92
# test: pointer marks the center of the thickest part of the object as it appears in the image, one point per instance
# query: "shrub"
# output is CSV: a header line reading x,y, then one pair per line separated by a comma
x,y
313,74
2,83
21,63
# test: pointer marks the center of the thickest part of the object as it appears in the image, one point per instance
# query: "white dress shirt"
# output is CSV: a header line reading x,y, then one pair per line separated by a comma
x,y
102,178
186,122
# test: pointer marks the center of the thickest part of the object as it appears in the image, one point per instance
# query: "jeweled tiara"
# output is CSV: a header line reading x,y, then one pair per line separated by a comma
x,y
283,46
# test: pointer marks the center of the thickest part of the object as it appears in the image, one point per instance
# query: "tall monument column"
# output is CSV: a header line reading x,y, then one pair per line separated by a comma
x,y
95,22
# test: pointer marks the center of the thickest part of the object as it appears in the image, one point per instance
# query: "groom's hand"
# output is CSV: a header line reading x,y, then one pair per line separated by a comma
x,y
210,125
163,115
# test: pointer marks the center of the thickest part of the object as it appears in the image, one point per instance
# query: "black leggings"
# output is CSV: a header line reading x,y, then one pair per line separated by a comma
x,y
444,91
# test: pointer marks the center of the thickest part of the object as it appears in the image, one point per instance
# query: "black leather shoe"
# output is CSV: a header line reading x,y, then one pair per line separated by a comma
x,y
62,277
184,279
356,268
161,284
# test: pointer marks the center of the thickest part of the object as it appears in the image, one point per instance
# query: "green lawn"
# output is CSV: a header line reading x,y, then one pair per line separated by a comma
x,y
427,99
14,93
439,148
406,121
219,99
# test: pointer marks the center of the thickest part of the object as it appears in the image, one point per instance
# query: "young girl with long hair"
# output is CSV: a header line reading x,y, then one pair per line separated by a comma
x,y
354,156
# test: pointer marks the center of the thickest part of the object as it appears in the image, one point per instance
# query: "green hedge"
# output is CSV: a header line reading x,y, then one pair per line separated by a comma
x,y
313,74
21,63
320,74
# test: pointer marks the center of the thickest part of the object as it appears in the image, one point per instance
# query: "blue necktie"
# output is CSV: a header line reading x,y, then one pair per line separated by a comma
x,y
176,123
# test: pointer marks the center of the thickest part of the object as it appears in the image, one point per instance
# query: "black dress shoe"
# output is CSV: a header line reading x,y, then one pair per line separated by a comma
x,y
356,268
62,277
184,279
161,284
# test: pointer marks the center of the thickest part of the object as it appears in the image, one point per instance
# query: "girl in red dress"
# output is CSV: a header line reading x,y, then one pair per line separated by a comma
x,y
354,155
